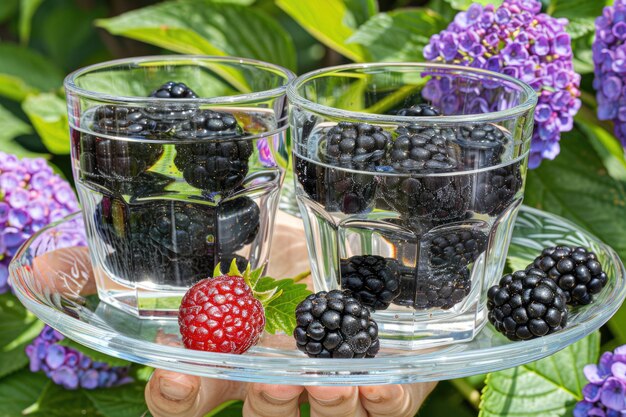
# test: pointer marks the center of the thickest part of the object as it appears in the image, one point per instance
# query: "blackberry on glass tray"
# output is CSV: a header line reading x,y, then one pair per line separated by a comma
x,y
527,304
335,325
575,270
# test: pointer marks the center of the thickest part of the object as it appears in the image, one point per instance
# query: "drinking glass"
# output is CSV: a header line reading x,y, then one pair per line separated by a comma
x,y
175,179
409,177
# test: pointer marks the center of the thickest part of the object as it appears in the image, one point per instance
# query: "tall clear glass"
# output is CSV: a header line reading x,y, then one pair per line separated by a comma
x,y
409,178
174,179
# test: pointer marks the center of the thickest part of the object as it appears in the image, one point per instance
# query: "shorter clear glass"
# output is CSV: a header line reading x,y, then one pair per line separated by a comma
x,y
409,178
174,181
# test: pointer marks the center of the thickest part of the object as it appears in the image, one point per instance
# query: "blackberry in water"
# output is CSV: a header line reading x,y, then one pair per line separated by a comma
x,y
335,325
442,290
218,161
353,145
575,270
419,110
173,89
372,279
482,145
168,112
423,149
358,146
174,242
238,224
457,248
527,304
103,159
418,150
495,189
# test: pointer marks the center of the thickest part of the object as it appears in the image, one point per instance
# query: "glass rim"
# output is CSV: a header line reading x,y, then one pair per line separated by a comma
x,y
295,98
70,80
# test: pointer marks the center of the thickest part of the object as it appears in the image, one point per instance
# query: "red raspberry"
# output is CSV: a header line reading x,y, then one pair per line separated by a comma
x,y
221,315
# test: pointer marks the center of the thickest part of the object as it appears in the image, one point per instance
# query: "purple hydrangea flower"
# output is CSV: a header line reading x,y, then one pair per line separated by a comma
x,y
609,59
31,196
605,394
68,367
517,40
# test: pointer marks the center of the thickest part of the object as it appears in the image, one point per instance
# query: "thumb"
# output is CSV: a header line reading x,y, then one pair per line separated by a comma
x,y
170,394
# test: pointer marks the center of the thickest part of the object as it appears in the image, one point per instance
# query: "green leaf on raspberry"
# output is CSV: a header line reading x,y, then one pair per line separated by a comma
x,y
279,297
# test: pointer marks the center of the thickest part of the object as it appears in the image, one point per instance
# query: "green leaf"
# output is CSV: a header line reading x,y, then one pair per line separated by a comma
x,y
616,324
581,26
27,11
399,35
15,320
93,354
7,8
13,356
23,71
547,388
280,312
578,187
606,145
464,4
124,401
208,28
13,127
48,114
19,390
56,401
362,10
576,8
332,24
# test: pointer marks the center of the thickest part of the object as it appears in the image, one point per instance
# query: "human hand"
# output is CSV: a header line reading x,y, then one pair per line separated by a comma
x,y
169,394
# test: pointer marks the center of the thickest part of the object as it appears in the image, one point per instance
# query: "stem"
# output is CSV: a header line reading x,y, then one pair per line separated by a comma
x,y
468,392
301,276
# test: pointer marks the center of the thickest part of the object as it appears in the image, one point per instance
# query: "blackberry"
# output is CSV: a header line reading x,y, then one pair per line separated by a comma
x,y
526,305
353,145
173,89
456,248
174,242
482,145
359,146
575,270
372,279
238,224
119,159
168,112
423,149
418,151
419,110
495,189
442,290
213,163
335,325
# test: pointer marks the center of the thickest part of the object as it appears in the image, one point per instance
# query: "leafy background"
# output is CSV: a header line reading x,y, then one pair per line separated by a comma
x,y
41,40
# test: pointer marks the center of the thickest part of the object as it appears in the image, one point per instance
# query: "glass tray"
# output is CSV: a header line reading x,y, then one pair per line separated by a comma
x,y
52,277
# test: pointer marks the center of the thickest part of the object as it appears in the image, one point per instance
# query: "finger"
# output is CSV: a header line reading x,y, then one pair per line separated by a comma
x,y
267,400
170,394
394,400
335,402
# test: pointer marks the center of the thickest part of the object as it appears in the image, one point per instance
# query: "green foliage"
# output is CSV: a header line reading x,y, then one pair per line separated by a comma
x,y
206,27
464,4
547,388
27,11
399,35
124,401
332,24
13,127
48,114
24,71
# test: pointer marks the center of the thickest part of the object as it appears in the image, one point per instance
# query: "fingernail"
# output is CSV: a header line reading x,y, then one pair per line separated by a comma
x,y
330,402
273,400
174,390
